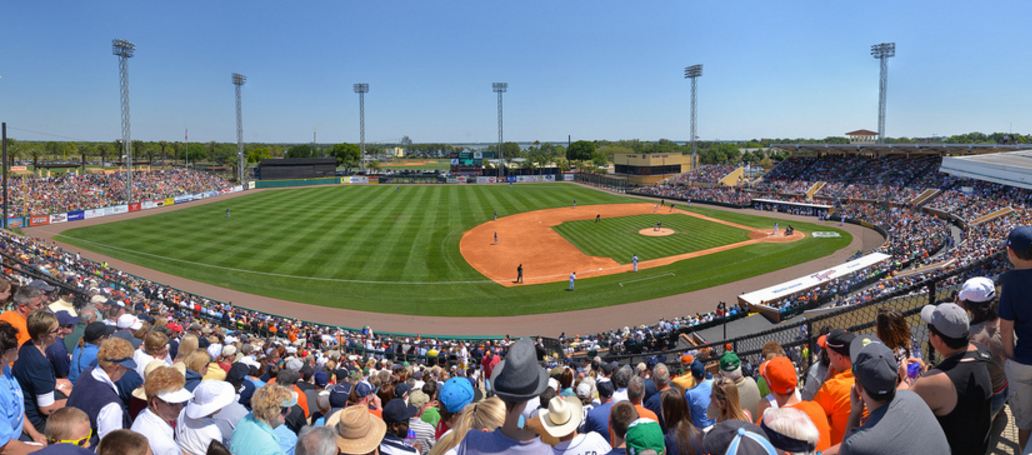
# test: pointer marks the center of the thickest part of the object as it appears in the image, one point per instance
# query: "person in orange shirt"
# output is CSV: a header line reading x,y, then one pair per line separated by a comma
x,y
833,395
781,377
26,300
635,394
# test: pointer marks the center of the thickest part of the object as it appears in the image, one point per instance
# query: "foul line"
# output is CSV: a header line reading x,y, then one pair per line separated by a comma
x,y
279,275
647,278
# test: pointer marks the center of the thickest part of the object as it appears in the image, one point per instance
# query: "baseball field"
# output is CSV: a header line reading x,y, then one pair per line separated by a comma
x,y
430,250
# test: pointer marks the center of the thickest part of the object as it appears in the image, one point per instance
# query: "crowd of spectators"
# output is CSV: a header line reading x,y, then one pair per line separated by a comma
x,y
706,174
970,199
67,192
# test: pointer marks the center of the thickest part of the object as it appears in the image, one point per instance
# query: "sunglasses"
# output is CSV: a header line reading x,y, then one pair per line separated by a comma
x,y
83,442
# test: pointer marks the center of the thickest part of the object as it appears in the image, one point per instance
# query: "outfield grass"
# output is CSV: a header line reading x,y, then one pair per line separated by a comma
x,y
395,249
618,238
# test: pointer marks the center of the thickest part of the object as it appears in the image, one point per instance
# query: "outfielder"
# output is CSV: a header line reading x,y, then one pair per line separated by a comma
x,y
634,262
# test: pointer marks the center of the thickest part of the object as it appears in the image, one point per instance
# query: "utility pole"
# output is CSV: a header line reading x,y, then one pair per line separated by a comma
x,y
693,72
500,88
883,52
125,50
238,81
361,89
3,138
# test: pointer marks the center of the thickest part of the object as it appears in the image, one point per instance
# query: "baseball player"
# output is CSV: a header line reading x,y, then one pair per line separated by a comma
x,y
227,213
775,229
573,278
574,203
598,217
496,237
634,262
495,215
519,273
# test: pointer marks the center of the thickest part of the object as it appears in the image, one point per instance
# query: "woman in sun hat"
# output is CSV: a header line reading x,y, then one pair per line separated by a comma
x,y
358,431
196,428
165,399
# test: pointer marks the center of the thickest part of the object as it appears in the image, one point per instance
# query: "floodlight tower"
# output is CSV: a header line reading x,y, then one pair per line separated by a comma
x,y
361,89
882,52
124,50
693,72
500,88
238,81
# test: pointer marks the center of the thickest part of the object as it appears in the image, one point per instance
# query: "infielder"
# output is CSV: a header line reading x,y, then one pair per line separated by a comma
x,y
634,262
496,237
573,278
519,273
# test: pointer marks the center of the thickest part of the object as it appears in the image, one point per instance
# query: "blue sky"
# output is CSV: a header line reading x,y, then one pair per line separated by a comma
x,y
592,69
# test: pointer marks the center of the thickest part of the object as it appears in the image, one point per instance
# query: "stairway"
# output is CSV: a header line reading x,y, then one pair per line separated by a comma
x,y
991,216
814,189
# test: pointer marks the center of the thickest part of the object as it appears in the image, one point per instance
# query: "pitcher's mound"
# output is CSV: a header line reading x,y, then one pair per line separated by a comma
x,y
653,232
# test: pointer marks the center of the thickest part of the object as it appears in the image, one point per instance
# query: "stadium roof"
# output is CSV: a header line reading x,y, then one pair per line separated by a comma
x,y
1011,168
862,133
891,149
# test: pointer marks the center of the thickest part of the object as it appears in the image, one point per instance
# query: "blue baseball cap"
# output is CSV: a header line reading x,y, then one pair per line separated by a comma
x,y
65,318
456,394
698,369
363,389
1020,240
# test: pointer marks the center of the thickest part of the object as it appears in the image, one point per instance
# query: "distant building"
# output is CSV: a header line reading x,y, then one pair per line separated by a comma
x,y
862,137
395,152
650,168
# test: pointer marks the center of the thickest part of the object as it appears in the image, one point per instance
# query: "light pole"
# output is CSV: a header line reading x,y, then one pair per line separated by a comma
x,y
238,81
500,88
722,308
693,72
883,52
124,50
361,89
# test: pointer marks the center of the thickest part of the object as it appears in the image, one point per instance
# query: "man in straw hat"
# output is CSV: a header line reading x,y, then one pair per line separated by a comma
x,y
358,431
516,380
561,420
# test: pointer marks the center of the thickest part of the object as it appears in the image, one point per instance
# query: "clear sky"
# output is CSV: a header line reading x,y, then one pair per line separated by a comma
x,y
598,69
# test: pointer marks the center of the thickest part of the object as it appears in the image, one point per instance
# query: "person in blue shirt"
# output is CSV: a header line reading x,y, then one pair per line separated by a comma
x,y
12,404
42,392
1016,328
85,355
256,433
597,419
57,354
698,397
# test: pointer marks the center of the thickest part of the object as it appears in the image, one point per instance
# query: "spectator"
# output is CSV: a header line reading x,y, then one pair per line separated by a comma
x,y
685,380
898,422
748,391
127,325
621,418
958,389
154,346
833,395
681,436
621,378
197,426
1016,323
166,397
124,442
316,440
661,377
486,415
43,393
57,354
893,330
635,393
782,380
978,297
359,432
13,421
423,431
645,436
87,315
255,435
68,433
732,437
196,365
455,395
790,430
561,420
724,403
85,355
516,380
96,392
26,300
699,397
818,369
396,414
597,419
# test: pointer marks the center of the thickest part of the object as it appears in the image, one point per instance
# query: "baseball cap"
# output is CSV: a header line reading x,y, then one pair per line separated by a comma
x,y
401,390
396,411
780,375
978,290
605,389
97,330
128,321
294,364
456,394
737,437
698,369
418,399
687,359
874,365
644,434
838,340
1020,239
339,394
41,285
584,390
729,361
364,389
65,318
948,319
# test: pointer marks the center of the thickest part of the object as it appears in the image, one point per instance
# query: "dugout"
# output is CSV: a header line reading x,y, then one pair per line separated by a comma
x,y
650,168
296,168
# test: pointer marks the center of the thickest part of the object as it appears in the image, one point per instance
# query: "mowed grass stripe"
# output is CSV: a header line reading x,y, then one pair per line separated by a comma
x,y
420,247
618,238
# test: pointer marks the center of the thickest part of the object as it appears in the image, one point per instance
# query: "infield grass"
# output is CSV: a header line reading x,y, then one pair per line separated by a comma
x,y
618,238
395,249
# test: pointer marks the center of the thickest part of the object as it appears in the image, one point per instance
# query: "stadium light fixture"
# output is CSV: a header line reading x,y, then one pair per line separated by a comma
x,y
238,81
500,88
361,89
883,52
693,72
124,50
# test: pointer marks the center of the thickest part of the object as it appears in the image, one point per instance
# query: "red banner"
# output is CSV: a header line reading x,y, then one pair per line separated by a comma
x,y
134,207
39,220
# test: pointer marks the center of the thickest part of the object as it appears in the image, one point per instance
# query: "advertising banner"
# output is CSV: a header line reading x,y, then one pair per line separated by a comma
x,y
237,189
58,218
568,177
452,180
120,209
75,215
210,194
169,201
549,178
147,205
359,180
134,207
179,199
93,213
39,220
16,222
19,168
483,180
250,185
815,279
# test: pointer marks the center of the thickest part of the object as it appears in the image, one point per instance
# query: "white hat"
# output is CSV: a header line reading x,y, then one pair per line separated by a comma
x,y
562,417
584,389
98,300
979,289
126,321
180,395
209,397
214,350
229,351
